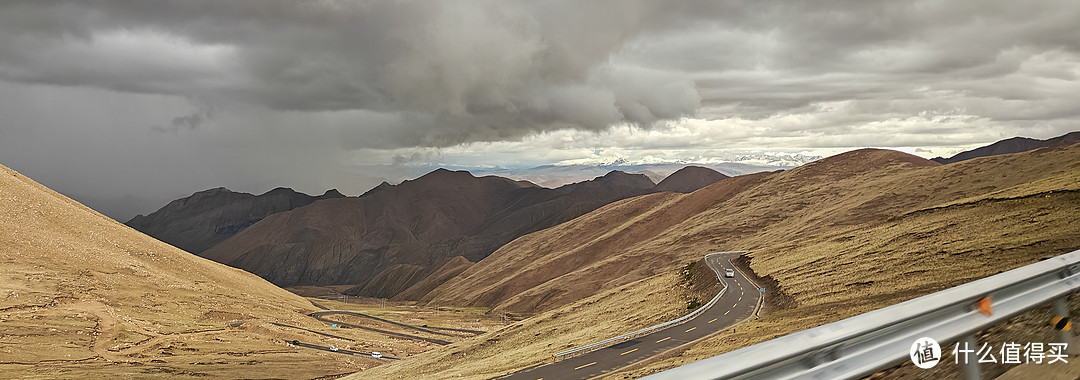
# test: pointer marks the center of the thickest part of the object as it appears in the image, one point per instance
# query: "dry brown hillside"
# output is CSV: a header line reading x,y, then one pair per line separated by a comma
x,y
843,235
689,179
83,296
447,271
395,236
198,222
530,274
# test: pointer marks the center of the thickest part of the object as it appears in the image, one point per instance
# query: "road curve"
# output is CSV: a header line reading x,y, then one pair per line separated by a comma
x,y
738,302
342,351
322,318
424,328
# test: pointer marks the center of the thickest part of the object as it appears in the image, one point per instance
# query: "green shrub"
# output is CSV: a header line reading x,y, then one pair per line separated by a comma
x,y
687,271
693,304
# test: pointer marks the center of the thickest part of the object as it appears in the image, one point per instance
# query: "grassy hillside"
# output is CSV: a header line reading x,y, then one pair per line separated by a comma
x,y
593,252
842,272
83,296
841,236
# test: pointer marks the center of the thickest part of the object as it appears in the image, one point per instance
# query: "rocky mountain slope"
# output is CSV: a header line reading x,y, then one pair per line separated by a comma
x,y
1013,145
837,237
83,296
395,236
200,221
689,179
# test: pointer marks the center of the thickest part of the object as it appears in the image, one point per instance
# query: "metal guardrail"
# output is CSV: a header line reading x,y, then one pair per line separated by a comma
x,y
862,344
649,330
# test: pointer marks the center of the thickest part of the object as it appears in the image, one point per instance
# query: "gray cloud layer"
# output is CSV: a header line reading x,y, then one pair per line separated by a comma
x,y
164,98
444,73
452,71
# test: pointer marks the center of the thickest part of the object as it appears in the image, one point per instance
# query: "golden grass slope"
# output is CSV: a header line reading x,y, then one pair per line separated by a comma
x,y
83,296
592,252
844,235
532,341
842,272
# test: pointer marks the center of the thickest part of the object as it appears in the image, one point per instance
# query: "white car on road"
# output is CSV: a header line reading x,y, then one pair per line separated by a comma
x,y
376,355
729,273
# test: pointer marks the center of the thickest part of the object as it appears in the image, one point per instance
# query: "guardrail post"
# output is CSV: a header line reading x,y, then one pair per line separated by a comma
x,y
1061,309
971,365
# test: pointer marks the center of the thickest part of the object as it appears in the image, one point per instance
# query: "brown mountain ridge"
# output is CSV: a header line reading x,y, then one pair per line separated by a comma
x,y
1012,145
840,236
395,236
208,217
689,179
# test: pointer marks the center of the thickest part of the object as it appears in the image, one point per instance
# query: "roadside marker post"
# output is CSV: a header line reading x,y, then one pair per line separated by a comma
x,y
971,367
1063,325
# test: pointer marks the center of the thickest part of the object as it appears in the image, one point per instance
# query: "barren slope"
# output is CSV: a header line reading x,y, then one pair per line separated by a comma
x,y
689,179
83,296
595,251
396,236
843,235
208,217
1029,209
446,272
1013,145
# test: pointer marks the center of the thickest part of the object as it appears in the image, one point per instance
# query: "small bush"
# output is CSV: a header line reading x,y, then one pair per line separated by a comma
x,y
693,304
687,273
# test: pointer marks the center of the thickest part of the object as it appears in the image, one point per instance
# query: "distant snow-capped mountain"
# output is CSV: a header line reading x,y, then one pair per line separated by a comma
x,y
570,172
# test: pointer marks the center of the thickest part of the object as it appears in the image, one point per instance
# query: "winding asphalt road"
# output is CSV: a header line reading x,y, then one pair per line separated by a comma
x,y
321,316
338,351
424,328
740,300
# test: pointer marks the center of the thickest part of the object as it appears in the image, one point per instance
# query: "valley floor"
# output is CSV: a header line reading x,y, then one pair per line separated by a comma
x,y
80,339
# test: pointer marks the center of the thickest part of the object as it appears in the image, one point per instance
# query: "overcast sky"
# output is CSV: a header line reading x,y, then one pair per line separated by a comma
x,y
157,99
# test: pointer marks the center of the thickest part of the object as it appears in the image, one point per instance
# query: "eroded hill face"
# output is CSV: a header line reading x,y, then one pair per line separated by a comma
x,y
841,236
208,217
83,296
394,237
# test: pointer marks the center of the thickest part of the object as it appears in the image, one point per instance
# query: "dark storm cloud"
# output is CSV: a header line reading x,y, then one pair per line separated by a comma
x,y
494,70
254,94
482,70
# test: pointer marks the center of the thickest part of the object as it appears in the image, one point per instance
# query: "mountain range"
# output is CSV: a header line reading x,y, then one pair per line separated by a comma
x,y
558,175
1012,145
208,217
402,241
828,240
394,236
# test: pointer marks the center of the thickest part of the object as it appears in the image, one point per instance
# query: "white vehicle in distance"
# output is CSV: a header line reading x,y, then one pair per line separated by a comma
x,y
729,273
376,355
